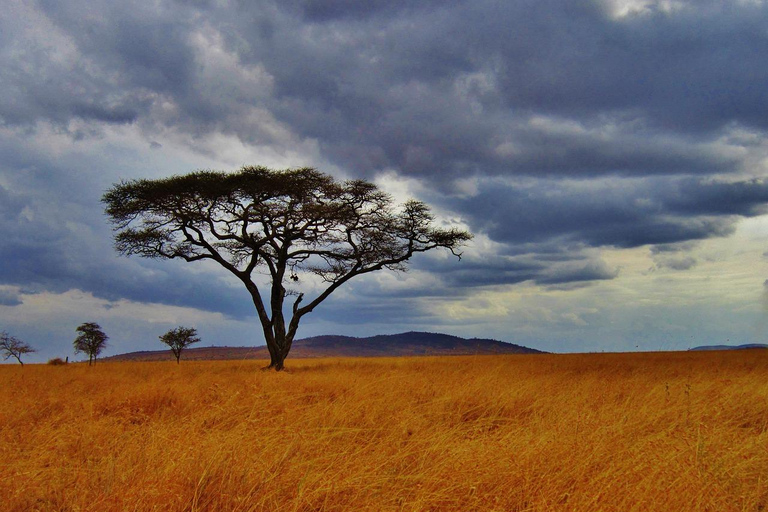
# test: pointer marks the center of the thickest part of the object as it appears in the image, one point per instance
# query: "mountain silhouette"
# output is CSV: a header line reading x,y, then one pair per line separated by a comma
x,y
389,345
730,347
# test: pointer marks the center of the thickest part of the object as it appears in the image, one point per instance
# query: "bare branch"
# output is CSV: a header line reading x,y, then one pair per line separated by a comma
x,y
10,346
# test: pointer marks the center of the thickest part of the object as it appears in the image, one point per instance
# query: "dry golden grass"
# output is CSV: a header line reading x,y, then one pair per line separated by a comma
x,y
671,432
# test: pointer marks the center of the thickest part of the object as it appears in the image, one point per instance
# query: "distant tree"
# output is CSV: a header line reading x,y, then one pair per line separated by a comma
x,y
91,340
287,222
11,346
179,339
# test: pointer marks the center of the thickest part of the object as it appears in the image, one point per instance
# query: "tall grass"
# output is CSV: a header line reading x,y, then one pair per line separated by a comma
x,y
669,431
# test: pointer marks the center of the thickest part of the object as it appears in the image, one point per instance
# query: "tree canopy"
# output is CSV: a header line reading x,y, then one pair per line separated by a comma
x,y
291,222
178,339
91,340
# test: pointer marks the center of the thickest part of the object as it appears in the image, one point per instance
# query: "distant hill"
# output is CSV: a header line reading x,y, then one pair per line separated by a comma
x,y
731,347
405,344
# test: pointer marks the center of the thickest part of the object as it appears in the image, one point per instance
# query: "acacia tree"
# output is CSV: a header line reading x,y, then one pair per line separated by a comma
x,y
291,222
180,338
91,340
11,346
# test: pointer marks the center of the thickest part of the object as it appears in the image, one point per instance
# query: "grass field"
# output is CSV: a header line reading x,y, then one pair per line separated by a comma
x,y
623,432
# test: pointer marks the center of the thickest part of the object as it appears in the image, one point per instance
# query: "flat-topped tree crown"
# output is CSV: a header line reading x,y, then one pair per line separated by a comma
x,y
290,222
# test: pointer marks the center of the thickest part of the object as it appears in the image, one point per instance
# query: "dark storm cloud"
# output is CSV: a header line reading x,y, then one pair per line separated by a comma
x,y
482,270
747,198
618,213
590,271
77,260
55,238
422,87
435,89
691,69
578,271
58,267
140,44
583,130
105,62
452,89
562,264
351,9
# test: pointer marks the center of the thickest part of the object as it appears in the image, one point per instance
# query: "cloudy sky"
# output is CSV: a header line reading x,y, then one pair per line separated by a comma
x,y
610,157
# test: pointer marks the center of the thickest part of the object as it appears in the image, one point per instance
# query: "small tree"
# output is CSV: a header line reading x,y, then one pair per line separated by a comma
x,y
281,223
91,340
179,339
14,347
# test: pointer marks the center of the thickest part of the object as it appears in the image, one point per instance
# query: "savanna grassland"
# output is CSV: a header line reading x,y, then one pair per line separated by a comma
x,y
619,432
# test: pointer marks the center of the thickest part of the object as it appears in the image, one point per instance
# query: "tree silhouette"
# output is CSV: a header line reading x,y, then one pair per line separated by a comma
x,y
91,340
293,223
178,339
11,346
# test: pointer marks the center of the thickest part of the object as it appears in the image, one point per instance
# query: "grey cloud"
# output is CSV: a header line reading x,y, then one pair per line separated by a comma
x,y
329,10
85,261
55,238
485,270
562,267
65,266
11,205
568,286
141,45
517,95
58,248
591,271
690,69
430,89
672,248
685,263
616,213
10,298
673,256
374,310
456,95
747,198
108,67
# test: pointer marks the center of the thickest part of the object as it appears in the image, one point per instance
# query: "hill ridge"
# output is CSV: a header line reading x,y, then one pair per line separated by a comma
x,y
730,347
411,343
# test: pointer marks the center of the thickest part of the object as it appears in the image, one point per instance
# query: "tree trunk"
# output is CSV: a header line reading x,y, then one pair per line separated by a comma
x,y
278,351
278,362
276,359
272,354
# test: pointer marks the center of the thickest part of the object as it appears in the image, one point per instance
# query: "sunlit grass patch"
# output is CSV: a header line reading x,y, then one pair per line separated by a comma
x,y
683,431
